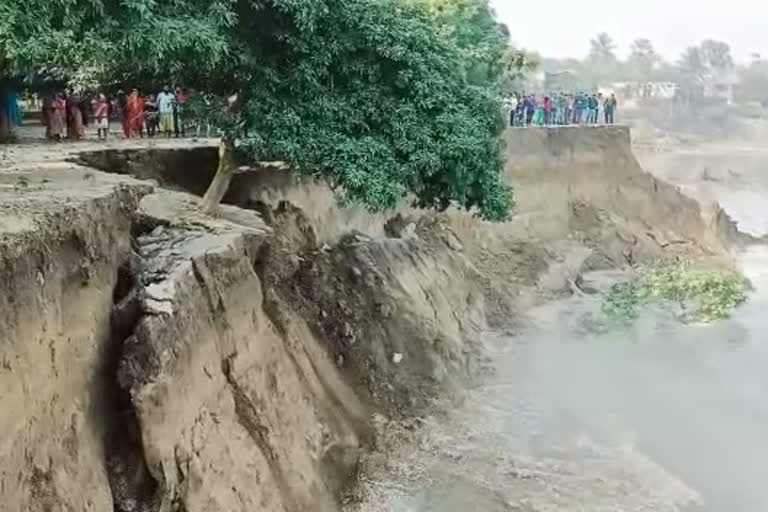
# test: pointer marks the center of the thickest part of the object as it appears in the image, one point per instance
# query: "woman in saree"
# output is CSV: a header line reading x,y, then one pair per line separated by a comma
x,y
77,129
45,115
58,116
134,112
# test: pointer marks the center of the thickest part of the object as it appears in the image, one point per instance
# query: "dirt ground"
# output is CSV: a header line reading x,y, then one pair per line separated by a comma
x,y
32,149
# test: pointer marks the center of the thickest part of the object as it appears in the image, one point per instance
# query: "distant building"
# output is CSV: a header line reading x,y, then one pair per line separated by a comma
x,y
637,90
722,85
559,81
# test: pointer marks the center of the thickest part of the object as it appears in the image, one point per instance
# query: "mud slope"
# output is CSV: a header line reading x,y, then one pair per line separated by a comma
x,y
587,182
234,413
575,184
60,252
255,360
159,360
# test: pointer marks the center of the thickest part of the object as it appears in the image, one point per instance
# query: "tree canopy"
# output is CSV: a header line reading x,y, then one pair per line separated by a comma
x,y
602,48
384,98
643,58
698,69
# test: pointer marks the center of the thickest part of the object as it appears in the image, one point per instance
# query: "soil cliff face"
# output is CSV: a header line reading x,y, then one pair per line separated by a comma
x,y
256,355
160,360
236,412
59,258
155,359
586,182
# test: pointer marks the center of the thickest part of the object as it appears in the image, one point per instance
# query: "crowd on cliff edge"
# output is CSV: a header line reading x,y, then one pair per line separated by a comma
x,y
68,114
522,109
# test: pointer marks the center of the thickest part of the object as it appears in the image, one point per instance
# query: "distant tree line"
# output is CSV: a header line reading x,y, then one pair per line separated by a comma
x,y
695,69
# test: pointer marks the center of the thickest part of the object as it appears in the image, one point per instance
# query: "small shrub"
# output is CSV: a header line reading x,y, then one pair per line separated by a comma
x,y
704,294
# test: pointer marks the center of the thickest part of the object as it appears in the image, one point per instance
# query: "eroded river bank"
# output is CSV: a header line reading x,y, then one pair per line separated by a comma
x,y
157,359
662,416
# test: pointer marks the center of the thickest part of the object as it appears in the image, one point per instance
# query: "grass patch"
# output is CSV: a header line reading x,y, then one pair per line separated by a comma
x,y
702,294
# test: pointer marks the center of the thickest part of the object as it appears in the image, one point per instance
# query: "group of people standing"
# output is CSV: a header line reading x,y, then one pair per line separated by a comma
x,y
158,113
67,114
559,109
62,115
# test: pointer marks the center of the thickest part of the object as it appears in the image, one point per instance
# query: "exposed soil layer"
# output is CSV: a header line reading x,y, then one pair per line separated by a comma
x,y
157,359
60,251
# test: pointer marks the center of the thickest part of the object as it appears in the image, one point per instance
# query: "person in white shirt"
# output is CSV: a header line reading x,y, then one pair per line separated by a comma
x,y
510,108
513,103
165,101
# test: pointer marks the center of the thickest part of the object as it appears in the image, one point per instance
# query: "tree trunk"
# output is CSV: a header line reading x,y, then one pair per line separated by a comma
x,y
224,173
5,122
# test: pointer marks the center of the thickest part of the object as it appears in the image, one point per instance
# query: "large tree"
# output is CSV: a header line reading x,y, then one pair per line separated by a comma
x,y
753,80
643,59
36,37
602,64
602,49
483,42
376,96
716,54
77,42
693,70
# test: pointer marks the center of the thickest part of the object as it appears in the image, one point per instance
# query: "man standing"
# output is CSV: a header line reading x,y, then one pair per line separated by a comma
x,y
600,108
181,97
562,109
530,109
509,109
100,108
578,108
610,109
514,105
592,109
165,105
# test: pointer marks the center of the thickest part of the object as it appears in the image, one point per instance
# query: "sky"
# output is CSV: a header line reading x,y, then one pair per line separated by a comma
x,y
672,25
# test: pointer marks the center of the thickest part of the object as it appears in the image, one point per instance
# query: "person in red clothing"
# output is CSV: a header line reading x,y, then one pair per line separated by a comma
x,y
134,114
547,110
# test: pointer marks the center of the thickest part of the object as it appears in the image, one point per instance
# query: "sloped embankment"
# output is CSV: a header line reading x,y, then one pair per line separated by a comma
x,y
163,360
60,256
587,183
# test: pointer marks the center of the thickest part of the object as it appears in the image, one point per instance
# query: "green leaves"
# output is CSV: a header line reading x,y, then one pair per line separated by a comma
x,y
704,294
386,99
374,96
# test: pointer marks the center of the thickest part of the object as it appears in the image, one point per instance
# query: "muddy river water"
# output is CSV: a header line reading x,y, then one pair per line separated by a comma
x,y
662,417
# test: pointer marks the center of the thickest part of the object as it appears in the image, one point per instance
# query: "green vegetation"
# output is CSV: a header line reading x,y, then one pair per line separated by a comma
x,y
699,68
704,294
385,99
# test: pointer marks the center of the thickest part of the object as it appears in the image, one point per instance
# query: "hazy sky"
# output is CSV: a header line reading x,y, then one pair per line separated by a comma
x,y
672,25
